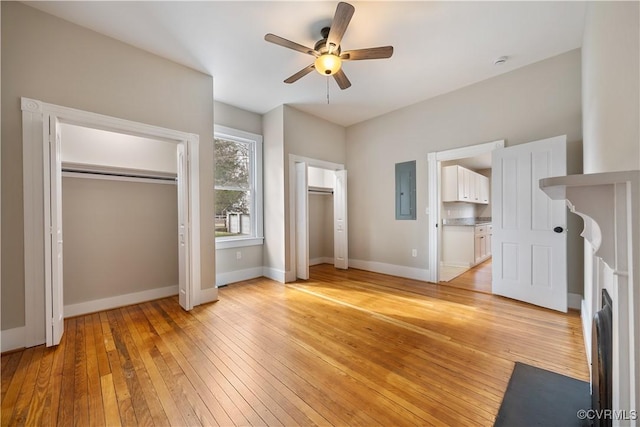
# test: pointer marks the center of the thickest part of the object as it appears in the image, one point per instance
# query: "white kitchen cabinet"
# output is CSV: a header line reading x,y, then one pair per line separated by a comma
x,y
466,245
482,242
463,185
458,245
484,189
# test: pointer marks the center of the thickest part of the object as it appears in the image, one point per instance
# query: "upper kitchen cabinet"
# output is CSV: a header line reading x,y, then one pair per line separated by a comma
x,y
463,185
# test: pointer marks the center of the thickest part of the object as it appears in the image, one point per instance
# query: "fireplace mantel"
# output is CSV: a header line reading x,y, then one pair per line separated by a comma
x,y
609,204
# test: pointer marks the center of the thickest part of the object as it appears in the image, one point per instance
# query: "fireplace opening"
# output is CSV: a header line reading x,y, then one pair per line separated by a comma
x,y
601,360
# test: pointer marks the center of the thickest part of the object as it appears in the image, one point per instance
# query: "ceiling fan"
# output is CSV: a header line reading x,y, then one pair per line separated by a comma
x,y
328,52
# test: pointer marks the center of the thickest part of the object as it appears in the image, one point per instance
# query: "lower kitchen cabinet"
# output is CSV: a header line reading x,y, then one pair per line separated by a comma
x,y
482,242
466,246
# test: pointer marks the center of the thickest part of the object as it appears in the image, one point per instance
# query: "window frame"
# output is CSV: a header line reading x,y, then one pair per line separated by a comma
x,y
256,208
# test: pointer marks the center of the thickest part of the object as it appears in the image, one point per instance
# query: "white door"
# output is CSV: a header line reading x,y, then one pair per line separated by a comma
x,y
53,276
184,278
302,221
340,234
529,229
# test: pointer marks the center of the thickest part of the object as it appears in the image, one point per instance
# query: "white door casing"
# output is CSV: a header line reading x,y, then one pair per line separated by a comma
x,y
43,208
184,296
54,304
434,160
529,257
302,221
294,187
340,234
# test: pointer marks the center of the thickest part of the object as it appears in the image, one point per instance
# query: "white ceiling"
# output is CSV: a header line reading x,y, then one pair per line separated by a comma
x,y
438,46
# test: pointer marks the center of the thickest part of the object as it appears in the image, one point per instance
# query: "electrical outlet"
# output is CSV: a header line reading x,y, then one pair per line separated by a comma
x,y
238,255
414,253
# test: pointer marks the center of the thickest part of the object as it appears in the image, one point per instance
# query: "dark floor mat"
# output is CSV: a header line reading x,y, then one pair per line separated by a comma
x,y
536,397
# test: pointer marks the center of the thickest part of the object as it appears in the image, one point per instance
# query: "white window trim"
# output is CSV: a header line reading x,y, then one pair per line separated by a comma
x,y
257,222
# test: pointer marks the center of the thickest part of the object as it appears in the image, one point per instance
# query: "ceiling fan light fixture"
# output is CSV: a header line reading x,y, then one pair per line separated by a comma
x,y
328,64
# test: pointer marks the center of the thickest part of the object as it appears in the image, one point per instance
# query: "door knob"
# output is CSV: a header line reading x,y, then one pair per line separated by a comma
x,y
558,229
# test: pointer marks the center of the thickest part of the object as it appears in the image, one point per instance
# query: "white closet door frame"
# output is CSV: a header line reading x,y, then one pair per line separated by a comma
x,y
53,243
184,236
340,221
290,274
39,172
302,221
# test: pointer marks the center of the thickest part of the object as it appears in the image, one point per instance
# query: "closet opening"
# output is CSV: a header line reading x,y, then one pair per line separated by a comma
x,y
119,219
43,127
318,195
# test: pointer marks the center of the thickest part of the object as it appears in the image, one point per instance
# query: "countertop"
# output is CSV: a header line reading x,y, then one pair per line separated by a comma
x,y
466,221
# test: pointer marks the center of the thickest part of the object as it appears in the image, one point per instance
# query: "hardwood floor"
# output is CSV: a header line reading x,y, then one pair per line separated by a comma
x,y
476,279
344,348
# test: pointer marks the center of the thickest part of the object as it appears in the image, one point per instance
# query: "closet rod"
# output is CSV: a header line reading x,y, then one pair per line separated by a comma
x,y
319,190
120,175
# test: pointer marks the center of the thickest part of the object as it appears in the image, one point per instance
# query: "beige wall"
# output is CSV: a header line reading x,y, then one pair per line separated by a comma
x,y
120,237
290,131
528,104
320,226
251,256
273,174
86,146
52,60
237,118
611,87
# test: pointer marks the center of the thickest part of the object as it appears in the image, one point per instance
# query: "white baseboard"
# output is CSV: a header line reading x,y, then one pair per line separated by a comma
x,y
208,295
321,260
118,301
574,301
391,269
12,339
238,275
274,274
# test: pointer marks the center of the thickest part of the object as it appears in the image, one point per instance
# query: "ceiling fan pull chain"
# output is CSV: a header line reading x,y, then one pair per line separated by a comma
x,y
327,90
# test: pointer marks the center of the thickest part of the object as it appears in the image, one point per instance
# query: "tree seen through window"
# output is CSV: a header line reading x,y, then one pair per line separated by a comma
x,y
232,188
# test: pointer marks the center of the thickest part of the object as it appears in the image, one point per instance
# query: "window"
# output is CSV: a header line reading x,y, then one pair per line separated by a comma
x,y
238,188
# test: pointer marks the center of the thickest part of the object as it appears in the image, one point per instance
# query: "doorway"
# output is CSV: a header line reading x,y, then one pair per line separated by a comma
x,y
42,138
318,226
465,207
460,212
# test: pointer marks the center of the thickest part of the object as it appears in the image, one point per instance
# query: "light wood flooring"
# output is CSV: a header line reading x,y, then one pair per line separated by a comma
x,y
344,348
476,279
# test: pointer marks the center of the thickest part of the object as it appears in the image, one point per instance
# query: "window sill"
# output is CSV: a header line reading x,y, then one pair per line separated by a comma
x,y
239,242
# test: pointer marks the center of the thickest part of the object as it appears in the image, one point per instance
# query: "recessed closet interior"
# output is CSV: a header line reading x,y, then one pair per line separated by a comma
x,y
119,214
321,215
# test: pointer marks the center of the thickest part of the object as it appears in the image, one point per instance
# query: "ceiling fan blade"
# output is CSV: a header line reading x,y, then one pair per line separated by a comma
x,y
272,38
341,20
342,80
300,74
370,53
